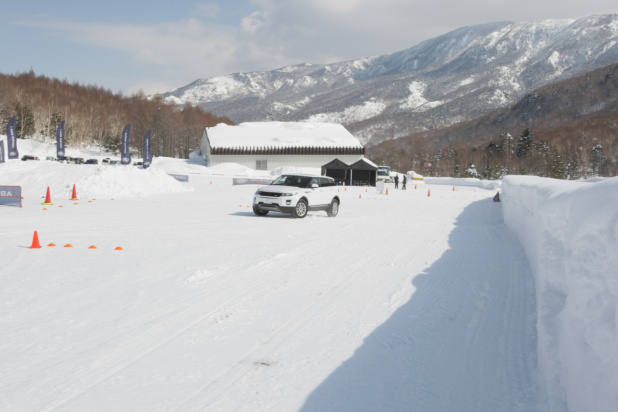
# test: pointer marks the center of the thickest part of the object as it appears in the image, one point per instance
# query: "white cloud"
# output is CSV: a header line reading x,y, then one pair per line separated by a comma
x,y
254,22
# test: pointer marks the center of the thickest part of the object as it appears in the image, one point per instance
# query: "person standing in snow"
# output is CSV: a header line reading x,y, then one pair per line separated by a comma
x,y
404,183
396,181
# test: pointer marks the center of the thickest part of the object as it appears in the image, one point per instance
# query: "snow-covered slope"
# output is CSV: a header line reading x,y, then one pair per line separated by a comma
x,y
439,82
405,301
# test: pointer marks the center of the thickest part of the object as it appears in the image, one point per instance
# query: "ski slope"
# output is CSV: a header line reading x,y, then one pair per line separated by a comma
x,y
402,302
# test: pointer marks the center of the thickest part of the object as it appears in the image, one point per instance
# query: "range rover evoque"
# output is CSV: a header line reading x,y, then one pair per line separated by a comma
x,y
297,195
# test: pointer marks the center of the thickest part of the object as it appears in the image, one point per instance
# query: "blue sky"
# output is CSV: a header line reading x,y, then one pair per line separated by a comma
x,y
155,46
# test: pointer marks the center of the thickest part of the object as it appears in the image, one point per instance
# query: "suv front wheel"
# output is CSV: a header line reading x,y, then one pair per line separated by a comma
x,y
301,209
259,212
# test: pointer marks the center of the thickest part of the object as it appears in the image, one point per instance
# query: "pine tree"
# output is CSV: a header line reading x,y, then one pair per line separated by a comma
x,y
573,166
555,164
597,159
525,143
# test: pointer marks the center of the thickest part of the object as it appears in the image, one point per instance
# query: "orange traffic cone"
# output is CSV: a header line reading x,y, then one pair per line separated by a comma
x,y
359,196
387,190
118,248
429,193
415,187
74,197
35,241
48,198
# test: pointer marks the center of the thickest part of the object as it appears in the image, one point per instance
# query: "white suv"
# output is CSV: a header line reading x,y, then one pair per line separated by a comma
x,y
297,195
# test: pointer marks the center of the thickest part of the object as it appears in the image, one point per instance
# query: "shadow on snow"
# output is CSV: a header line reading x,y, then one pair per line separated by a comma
x,y
465,341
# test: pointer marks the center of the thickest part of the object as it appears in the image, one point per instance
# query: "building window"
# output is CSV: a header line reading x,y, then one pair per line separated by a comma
x,y
261,165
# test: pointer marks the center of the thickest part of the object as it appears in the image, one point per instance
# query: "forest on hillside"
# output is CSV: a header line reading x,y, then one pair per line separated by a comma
x,y
95,117
566,130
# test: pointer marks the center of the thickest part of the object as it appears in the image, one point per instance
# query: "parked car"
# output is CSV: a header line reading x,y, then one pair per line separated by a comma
x,y
297,195
138,163
91,162
51,159
29,157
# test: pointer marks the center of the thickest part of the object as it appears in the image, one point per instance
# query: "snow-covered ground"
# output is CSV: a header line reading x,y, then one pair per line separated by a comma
x,y
402,302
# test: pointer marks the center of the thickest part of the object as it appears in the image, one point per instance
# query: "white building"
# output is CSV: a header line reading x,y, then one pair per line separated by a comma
x,y
269,145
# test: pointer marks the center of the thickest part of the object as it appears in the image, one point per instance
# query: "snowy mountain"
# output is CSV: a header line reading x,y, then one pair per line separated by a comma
x,y
442,81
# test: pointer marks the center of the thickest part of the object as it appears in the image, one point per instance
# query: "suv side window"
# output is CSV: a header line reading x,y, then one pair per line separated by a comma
x,y
315,181
324,182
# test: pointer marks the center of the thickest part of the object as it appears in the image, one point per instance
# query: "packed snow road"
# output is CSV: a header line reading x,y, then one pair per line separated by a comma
x,y
402,302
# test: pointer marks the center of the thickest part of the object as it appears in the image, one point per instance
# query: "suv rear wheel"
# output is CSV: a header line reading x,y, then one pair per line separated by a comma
x,y
301,209
333,209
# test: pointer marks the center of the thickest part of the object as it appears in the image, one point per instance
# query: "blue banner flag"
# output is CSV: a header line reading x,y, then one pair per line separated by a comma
x,y
2,151
125,156
147,153
11,135
60,141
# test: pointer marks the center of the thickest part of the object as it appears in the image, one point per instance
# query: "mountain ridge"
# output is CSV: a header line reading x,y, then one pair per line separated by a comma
x,y
437,83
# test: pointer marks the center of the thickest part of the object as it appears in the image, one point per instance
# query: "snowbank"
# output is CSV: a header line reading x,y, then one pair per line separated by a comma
x,y
92,181
570,233
468,181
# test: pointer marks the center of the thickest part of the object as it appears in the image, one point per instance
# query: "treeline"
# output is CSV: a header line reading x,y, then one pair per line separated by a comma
x,y
567,130
578,156
95,117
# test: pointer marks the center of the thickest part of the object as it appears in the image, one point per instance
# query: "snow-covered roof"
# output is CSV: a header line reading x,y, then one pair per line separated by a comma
x,y
281,134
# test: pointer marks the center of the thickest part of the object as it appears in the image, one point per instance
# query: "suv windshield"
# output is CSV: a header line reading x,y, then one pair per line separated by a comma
x,y
290,180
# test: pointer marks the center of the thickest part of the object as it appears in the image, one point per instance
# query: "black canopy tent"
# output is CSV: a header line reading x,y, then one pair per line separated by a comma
x,y
360,173
336,169
363,173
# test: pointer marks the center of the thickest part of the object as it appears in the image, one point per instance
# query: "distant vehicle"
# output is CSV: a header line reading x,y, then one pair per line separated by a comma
x,y
138,164
384,174
79,160
106,161
297,195
51,159
91,162
29,157
415,177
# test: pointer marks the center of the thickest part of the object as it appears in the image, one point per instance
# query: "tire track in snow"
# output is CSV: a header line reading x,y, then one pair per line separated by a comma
x,y
219,384
157,334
